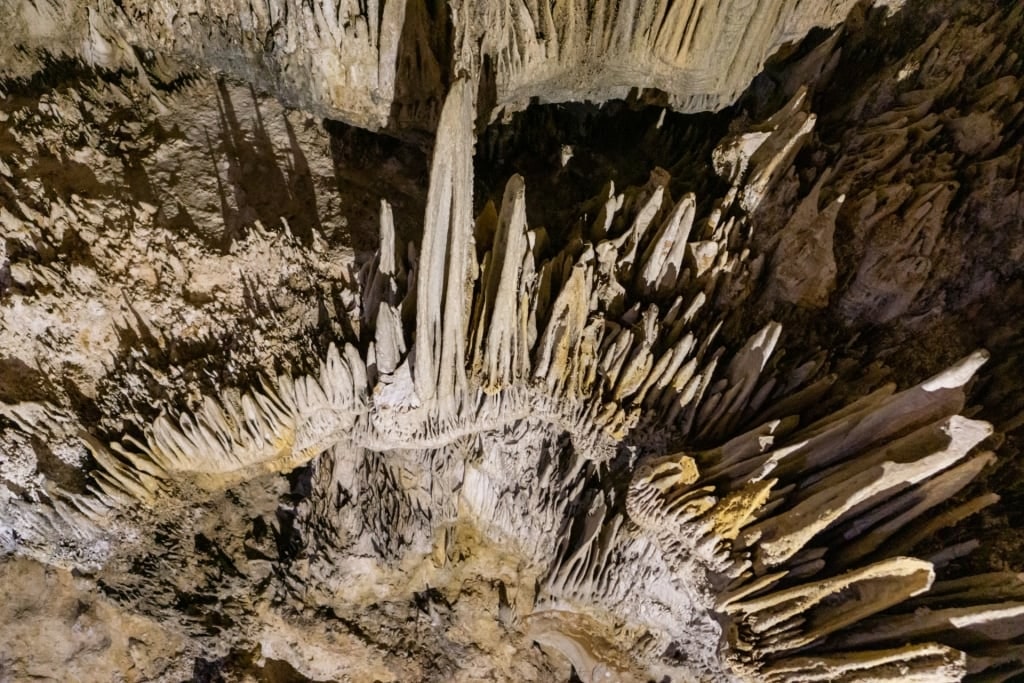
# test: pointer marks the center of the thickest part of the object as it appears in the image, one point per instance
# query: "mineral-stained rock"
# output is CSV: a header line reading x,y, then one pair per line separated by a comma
x,y
650,441
57,625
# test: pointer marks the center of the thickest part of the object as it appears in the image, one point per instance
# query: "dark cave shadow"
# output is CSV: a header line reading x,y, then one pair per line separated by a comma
x,y
394,163
62,177
137,179
21,382
372,166
422,71
621,141
259,186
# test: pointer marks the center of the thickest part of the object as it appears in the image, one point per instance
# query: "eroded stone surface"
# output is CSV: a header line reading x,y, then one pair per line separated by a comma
x,y
624,436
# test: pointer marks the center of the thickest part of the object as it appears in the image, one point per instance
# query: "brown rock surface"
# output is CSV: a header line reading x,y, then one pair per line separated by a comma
x,y
57,626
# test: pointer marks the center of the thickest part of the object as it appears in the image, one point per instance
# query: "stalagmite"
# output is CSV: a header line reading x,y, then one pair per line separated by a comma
x,y
445,270
500,319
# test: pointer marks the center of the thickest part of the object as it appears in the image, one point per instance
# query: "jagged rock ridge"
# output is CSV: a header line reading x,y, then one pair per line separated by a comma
x,y
387,62
576,344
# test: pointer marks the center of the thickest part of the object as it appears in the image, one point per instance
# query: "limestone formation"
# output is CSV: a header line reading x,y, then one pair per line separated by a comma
x,y
615,446
389,61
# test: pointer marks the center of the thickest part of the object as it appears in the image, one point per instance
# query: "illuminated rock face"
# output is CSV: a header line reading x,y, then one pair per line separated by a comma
x,y
375,62
655,439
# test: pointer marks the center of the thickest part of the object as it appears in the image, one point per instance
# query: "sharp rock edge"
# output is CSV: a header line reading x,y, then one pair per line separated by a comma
x,y
772,550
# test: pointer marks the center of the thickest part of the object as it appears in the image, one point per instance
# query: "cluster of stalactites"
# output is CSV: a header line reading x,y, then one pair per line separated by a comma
x,y
590,337
804,534
797,539
797,535
702,55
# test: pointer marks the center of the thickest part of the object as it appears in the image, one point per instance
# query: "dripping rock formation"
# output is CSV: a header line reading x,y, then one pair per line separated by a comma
x,y
673,341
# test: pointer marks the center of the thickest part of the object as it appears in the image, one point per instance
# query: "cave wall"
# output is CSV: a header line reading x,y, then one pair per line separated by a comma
x,y
387,63
179,222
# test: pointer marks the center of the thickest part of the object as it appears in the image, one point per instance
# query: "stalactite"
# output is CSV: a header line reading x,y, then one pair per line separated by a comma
x,y
595,401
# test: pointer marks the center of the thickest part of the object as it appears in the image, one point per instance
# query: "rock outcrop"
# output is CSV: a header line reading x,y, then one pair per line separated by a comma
x,y
655,440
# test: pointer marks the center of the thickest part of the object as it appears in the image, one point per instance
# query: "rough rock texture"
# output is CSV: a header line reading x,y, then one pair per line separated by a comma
x,y
618,394
86,637
375,62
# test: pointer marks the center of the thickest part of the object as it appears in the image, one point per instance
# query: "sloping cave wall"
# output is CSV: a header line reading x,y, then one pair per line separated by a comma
x,y
180,221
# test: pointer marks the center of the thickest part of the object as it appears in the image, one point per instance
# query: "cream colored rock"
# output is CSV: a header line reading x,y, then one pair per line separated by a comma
x,y
589,436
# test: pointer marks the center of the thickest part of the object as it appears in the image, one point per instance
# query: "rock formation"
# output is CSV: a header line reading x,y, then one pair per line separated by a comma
x,y
377,62
677,430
